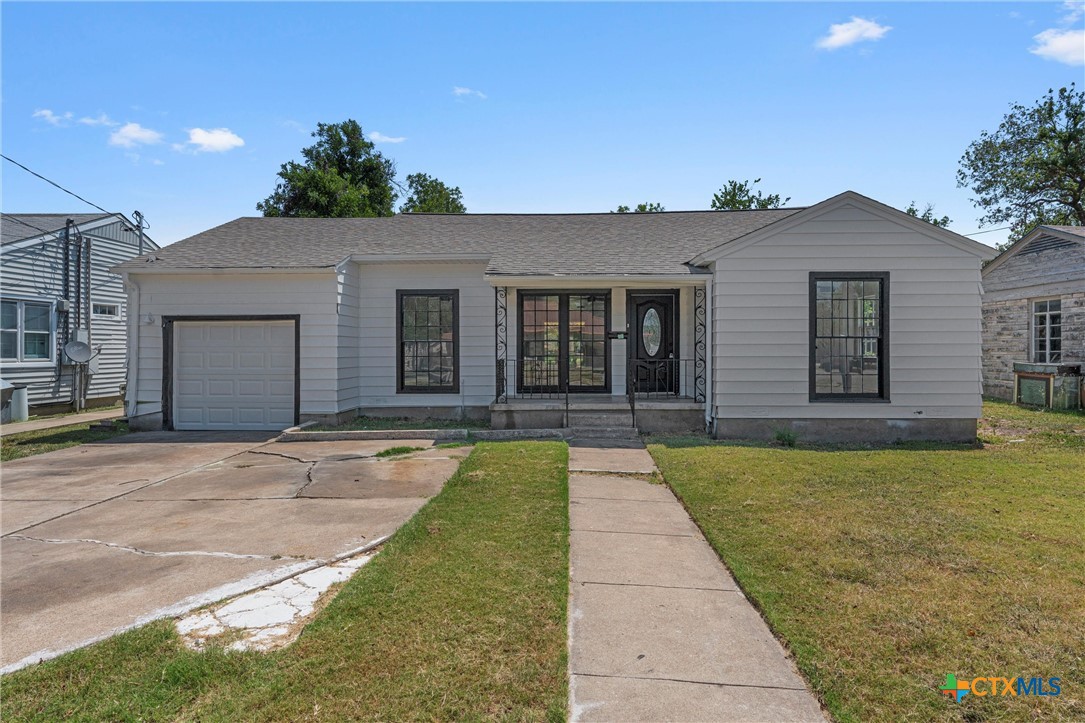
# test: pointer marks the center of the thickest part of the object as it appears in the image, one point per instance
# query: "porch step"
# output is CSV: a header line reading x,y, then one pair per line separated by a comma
x,y
601,433
604,419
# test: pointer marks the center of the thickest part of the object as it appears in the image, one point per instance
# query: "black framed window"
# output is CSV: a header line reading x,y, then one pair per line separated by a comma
x,y
1047,331
849,332
428,341
563,341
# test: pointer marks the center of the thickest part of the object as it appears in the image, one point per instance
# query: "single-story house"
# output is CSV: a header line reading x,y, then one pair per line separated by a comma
x,y
57,287
1034,307
845,320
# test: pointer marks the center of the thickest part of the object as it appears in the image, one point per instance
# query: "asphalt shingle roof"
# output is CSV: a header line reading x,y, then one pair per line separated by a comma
x,y
1075,230
18,226
518,244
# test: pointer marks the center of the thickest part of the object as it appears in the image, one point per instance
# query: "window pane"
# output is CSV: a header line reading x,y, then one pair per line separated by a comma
x,y
9,344
1040,307
847,337
10,316
36,317
35,345
1055,305
428,341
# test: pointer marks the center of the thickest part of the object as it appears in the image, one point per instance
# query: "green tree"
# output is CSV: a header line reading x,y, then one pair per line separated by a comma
x,y
1032,169
928,215
646,207
428,195
740,196
342,175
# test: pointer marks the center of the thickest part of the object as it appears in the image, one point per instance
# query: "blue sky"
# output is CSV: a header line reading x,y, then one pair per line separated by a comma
x,y
186,111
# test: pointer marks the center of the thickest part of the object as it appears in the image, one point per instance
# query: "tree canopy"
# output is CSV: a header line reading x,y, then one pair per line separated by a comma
x,y
928,215
1032,169
740,196
428,195
646,207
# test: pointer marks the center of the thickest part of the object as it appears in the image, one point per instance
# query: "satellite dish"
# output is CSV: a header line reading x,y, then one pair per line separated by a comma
x,y
78,351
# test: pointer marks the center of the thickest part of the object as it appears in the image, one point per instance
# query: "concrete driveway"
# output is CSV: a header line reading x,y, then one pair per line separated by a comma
x,y
100,538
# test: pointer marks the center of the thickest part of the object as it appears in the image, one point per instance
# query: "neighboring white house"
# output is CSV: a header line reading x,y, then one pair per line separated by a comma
x,y
45,302
847,320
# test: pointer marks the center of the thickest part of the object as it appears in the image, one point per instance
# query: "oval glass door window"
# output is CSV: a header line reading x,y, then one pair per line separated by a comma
x,y
651,331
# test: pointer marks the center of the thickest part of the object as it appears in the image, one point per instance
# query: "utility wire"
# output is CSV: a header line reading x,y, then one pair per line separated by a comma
x,y
54,183
990,230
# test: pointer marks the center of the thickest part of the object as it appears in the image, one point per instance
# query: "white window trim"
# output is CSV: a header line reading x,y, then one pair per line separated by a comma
x,y
20,362
98,315
1032,329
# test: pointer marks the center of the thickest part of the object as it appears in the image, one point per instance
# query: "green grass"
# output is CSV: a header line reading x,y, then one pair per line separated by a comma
x,y
461,616
26,444
396,451
884,569
382,423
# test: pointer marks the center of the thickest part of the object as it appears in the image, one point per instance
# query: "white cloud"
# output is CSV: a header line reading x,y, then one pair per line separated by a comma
x,y
1062,46
460,92
856,30
378,137
1074,10
101,120
216,140
52,118
131,135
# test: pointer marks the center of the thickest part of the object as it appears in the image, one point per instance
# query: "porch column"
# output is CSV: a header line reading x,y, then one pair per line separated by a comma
x,y
700,342
501,344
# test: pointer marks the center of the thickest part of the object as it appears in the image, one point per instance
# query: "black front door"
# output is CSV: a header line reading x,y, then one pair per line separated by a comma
x,y
653,341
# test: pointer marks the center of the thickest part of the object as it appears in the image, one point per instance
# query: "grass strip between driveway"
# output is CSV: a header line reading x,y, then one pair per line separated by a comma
x,y
886,569
462,615
39,441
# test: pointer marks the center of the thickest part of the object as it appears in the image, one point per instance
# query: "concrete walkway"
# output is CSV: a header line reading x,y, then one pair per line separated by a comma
x,y
658,630
67,420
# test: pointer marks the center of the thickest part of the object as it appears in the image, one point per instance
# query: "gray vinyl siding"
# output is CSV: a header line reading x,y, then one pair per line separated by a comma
x,y
349,285
313,296
34,270
377,322
760,341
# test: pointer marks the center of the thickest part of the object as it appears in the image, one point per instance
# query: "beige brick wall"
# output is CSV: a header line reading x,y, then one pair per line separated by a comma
x,y
1006,328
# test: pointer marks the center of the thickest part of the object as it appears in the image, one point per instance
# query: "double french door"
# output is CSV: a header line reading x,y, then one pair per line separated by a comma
x,y
563,342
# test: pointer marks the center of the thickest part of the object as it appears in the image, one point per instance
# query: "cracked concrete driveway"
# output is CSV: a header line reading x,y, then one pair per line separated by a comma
x,y
100,538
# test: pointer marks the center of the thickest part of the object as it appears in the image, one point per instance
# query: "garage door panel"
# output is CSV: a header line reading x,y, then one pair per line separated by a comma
x,y
234,375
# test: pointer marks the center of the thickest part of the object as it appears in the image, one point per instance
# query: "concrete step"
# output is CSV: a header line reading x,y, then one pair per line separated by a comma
x,y
600,419
574,432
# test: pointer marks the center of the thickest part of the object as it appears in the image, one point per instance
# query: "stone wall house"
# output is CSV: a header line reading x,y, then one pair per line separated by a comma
x,y
1034,305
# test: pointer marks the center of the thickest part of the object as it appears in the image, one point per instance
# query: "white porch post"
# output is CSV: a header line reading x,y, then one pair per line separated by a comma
x,y
618,348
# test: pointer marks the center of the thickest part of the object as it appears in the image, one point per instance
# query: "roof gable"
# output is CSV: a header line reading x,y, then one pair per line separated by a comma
x,y
848,198
1040,239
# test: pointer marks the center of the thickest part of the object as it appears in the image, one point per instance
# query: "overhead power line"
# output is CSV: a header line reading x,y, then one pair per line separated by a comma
x,y
54,183
990,230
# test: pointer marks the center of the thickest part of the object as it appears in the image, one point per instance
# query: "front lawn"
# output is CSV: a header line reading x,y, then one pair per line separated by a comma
x,y
461,616
885,569
25,444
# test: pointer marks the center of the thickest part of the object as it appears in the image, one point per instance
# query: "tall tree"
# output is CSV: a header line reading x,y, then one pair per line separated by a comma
x,y
342,175
646,207
740,196
428,195
927,215
1032,169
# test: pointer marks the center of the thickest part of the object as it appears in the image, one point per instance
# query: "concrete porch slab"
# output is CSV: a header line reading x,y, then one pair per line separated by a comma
x,y
639,699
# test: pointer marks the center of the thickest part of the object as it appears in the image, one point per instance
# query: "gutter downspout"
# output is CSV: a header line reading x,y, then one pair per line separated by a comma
x,y
131,392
